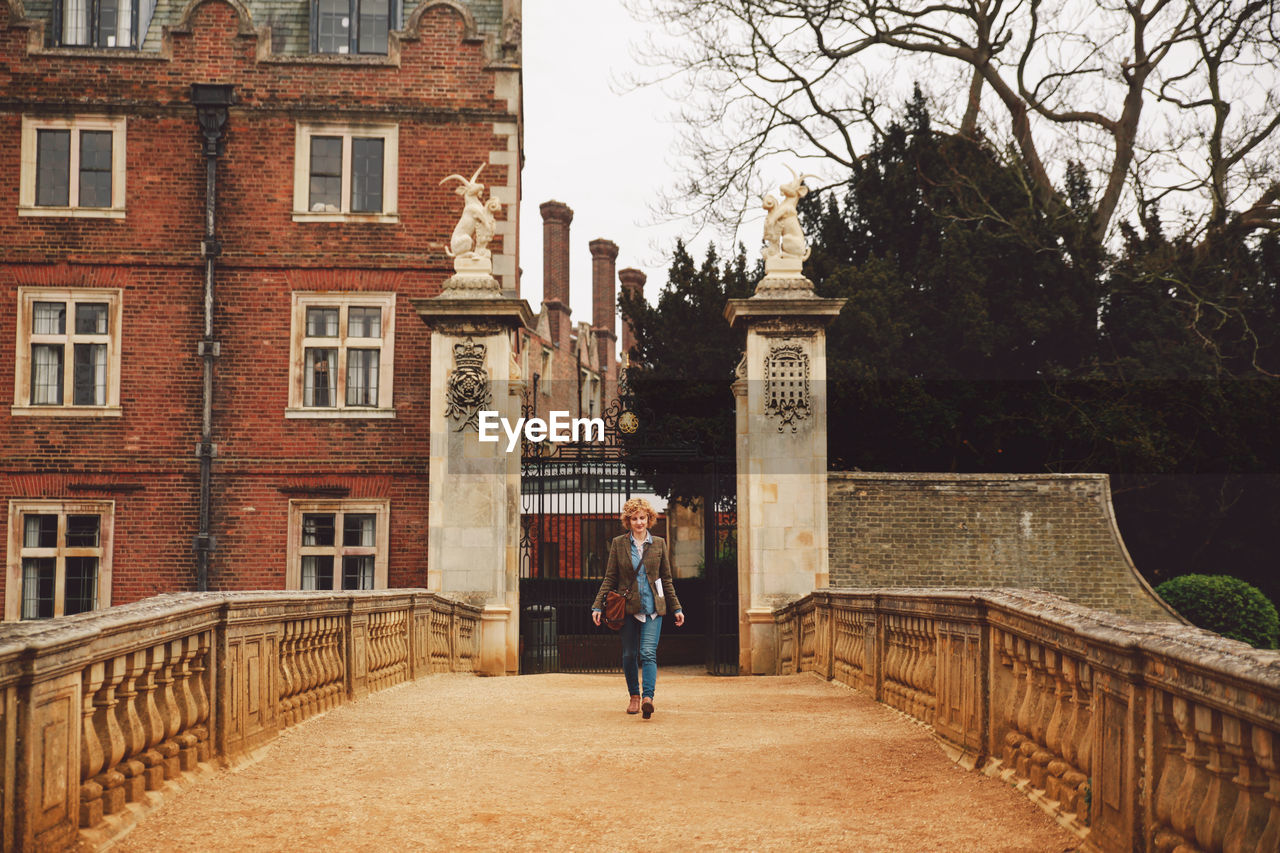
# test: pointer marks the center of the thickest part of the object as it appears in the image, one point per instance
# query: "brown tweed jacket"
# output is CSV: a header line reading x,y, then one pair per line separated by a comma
x,y
619,575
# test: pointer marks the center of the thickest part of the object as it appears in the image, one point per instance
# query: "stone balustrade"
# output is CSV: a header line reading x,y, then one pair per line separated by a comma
x,y
1139,736
100,712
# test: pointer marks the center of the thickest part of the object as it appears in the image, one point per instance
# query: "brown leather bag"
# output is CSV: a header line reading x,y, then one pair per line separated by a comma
x,y
615,608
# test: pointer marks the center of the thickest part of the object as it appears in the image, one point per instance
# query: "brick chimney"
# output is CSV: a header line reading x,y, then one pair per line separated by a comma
x,y
632,285
604,306
556,217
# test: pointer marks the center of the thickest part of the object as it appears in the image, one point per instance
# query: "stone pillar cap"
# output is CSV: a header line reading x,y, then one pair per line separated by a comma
x,y
801,307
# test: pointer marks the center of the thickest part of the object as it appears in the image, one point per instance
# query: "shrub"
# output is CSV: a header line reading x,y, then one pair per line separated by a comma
x,y
1227,605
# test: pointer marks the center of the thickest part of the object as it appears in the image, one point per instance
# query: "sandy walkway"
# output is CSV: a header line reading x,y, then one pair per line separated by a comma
x,y
550,763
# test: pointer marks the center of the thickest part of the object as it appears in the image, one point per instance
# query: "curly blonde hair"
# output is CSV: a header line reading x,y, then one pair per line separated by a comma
x,y
635,506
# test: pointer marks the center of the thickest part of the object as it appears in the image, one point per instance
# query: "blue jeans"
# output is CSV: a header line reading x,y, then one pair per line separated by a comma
x,y
640,651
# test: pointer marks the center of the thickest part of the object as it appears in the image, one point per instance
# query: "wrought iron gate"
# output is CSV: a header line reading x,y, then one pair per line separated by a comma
x,y
571,498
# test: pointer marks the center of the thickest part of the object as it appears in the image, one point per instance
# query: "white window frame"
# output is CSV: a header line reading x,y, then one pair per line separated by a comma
x,y
381,509
299,343
62,508
390,135
25,338
27,181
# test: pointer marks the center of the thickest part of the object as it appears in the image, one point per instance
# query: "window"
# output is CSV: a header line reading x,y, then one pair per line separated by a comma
x,y
546,372
95,23
59,558
72,167
346,173
352,26
342,347
68,352
337,545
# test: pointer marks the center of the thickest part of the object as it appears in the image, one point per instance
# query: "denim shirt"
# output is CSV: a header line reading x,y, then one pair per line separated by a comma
x,y
647,607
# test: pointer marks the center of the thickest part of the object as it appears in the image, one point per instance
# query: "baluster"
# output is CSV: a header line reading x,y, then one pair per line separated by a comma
x,y
199,689
187,740
929,671
152,719
337,657
288,674
1084,762
1195,781
1049,686
1054,735
104,719
1072,736
93,756
1023,717
450,639
340,656
1251,811
377,648
902,661
1169,746
312,657
911,672
169,710
893,658
130,723
1010,659
1220,795
1029,713
911,665
402,643
304,676
326,643
1264,752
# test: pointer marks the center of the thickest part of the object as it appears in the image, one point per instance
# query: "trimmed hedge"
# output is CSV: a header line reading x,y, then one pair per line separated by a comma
x,y
1226,605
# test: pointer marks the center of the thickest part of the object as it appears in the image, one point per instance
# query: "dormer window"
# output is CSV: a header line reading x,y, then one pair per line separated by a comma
x,y
96,23
352,26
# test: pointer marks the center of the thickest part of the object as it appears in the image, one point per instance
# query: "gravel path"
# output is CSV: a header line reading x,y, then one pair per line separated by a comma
x,y
551,763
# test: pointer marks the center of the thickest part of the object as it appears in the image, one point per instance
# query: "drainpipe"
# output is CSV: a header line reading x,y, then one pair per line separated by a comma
x,y
211,101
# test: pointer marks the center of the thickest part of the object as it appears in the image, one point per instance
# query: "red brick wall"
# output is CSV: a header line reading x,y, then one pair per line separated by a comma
x,y
441,96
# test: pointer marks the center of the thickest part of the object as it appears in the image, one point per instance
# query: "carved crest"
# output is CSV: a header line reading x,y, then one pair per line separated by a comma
x,y
468,390
786,384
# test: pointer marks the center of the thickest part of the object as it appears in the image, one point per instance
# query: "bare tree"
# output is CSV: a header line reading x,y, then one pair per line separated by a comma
x,y
1170,102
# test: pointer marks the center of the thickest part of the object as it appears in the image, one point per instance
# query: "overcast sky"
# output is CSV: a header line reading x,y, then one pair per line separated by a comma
x,y
602,153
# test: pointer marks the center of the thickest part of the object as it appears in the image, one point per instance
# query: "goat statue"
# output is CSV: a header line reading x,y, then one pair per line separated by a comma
x,y
471,236
783,237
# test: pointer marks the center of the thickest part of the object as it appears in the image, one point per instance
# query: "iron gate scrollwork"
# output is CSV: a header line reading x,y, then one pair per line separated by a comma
x,y
571,497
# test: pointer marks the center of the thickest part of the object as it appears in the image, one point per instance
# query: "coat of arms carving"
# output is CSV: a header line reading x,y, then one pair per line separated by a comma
x,y
468,390
786,384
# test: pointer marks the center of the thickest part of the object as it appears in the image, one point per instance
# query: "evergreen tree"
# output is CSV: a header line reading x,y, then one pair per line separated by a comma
x,y
986,331
681,368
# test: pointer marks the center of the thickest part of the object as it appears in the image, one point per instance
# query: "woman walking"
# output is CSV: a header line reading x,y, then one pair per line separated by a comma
x,y
639,567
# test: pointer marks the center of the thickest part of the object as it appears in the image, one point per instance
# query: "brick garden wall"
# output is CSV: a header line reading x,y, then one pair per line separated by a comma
x,y
1051,532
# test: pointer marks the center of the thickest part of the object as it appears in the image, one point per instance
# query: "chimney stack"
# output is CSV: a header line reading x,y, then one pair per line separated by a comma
x,y
556,217
633,286
604,306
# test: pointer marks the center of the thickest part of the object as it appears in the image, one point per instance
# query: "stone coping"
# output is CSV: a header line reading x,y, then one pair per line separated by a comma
x,y
1184,644
32,641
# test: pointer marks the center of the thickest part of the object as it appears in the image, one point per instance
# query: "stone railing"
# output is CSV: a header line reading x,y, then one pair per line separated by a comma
x,y
1136,735
101,711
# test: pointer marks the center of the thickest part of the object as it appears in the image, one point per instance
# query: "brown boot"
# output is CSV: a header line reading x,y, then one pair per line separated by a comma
x,y
647,707
634,707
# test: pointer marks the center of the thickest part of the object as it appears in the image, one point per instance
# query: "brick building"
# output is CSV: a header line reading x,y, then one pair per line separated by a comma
x,y
230,388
